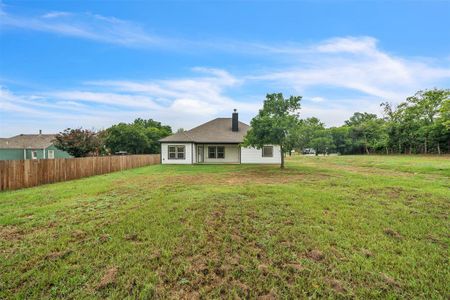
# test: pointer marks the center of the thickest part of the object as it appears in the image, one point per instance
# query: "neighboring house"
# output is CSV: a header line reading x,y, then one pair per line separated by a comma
x,y
30,146
217,141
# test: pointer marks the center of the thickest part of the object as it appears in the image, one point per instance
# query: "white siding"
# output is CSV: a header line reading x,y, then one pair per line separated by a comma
x,y
194,153
187,157
254,156
231,154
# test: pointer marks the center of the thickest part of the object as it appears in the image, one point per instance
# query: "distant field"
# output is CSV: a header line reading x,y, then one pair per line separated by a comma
x,y
340,227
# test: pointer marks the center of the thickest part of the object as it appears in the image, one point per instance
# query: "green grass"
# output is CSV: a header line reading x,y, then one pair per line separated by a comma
x,y
334,227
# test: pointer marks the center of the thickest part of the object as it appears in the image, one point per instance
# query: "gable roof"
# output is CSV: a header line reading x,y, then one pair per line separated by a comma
x,y
215,131
27,141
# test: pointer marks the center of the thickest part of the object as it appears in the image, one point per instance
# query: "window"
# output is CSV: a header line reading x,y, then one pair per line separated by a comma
x,y
176,152
33,154
267,151
220,152
51,154
216,152
211,152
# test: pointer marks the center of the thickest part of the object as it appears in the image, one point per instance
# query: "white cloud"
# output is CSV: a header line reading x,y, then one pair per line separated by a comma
x,y
356,64
180,102
198,95
85,25
56,14
333,112
316,99
193,107
348,44
113,99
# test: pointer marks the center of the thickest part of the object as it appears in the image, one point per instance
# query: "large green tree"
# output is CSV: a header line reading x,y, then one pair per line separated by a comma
x,y
365,130
322,141
427,107
126,137
419,123
275,123
138,137
341,139
308,130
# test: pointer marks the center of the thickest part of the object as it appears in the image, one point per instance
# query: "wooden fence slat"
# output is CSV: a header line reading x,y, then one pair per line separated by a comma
x,y
16,174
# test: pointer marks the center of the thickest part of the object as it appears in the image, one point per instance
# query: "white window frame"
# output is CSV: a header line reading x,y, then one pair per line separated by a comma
x,y
216,152
177,152
265,155
33,154
50,154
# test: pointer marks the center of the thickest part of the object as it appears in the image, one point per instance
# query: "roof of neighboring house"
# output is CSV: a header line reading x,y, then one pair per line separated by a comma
x,y
215,131
27,141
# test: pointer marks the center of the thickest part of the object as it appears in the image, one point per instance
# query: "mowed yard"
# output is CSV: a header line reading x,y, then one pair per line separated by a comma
x,y
339,227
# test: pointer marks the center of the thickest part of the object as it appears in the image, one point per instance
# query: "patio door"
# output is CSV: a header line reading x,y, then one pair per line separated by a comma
x,y
200,156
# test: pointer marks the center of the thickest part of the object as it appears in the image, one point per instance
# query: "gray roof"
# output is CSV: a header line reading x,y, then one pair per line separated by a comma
x,y
27,141
215,131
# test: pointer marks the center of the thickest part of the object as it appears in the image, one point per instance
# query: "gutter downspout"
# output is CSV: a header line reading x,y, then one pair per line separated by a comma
x,y
43,151
24,154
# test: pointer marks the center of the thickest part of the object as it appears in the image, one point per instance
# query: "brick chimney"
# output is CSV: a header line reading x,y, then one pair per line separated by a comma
x,y
235,121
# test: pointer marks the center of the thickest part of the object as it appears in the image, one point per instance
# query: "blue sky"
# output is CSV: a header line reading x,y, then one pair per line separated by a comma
x,y
93,64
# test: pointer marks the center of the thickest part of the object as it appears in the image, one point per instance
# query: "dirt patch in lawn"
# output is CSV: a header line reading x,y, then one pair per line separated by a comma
x,y
337,286
78,234
58,255
316,255
392,233
11,233
388,280
270,296
108,278
386,192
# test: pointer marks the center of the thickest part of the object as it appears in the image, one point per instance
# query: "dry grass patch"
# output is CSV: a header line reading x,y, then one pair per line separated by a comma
x,y
108,278
11,233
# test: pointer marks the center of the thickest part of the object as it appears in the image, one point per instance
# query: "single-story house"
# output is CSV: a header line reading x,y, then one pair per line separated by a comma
x,y
30,146
217,141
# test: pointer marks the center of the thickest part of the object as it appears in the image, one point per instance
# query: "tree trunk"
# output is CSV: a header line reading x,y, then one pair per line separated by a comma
x,y
439,148
425,146
365,145
387,151
282,158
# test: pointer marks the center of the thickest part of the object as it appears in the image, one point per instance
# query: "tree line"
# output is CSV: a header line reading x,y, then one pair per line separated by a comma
x,y
138,137
418,125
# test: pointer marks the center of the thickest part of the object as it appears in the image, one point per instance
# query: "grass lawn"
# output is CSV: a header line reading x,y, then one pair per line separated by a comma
x,y
339,227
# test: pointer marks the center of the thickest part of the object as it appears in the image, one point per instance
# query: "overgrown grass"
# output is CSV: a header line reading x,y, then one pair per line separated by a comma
x,y
339,227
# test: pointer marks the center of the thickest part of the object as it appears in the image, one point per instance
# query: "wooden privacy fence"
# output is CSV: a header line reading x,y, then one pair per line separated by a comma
x,y
16,174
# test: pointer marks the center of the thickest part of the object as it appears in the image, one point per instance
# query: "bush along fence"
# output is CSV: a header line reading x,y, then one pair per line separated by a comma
x,y
16,174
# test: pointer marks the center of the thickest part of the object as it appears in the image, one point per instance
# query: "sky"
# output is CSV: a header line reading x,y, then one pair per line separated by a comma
x,y
92,64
